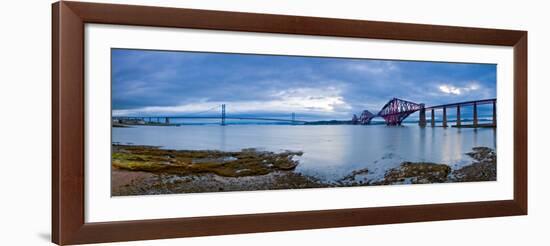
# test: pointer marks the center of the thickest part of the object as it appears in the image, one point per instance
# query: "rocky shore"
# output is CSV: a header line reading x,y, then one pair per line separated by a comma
x,y
139,170
483,169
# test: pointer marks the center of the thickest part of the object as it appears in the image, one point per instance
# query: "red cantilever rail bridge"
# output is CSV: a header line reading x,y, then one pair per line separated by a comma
x,y
396,110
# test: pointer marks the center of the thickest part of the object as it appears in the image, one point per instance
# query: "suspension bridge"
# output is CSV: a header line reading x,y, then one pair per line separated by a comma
x,y
394,112
198,115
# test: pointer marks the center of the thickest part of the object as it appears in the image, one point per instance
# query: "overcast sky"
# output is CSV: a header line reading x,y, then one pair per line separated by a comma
x,y
149,83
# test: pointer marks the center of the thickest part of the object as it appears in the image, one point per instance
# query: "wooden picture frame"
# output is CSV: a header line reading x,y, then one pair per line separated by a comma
x,y
68,122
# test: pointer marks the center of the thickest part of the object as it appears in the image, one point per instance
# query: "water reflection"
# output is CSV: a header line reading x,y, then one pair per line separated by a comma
x,y
330,152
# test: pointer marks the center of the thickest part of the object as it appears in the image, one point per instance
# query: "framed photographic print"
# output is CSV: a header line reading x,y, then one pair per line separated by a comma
x,y
177,122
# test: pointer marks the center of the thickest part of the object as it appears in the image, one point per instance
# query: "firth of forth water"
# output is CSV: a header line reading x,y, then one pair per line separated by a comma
x,y
330,151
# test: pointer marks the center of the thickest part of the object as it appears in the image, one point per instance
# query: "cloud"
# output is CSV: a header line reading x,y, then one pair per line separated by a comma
x,y
321,101
154,83
370,66
451,89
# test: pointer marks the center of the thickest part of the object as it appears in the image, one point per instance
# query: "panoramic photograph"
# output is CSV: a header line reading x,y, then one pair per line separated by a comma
x,y
192,122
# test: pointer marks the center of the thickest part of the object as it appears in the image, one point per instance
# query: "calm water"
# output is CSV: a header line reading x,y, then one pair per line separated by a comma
x,y
330,152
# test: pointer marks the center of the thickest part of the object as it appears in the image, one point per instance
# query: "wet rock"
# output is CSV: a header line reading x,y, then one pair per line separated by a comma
x,y
248,162
208,182
351,177
484,169
416,173
482,154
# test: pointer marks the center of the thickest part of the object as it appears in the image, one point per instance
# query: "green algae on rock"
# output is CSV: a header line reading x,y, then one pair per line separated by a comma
x,y
248,162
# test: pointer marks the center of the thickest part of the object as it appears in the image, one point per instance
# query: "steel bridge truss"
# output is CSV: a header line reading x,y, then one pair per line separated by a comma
x,y
396,110
365,118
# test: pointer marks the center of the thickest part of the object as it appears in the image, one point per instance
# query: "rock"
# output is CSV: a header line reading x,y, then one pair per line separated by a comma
x,y
248,162
484,169
351,177
416,173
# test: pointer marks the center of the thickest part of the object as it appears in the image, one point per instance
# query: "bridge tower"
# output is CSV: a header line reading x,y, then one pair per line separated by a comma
x,y
223,114
293,118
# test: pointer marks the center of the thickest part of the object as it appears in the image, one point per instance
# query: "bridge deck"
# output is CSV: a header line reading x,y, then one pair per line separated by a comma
x,y
450,105
394,112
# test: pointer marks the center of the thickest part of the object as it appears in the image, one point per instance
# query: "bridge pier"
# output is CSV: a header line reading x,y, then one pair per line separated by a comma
x,y
293,118
223,114
166,120
422,120
433,118
475,115
444,116
457,115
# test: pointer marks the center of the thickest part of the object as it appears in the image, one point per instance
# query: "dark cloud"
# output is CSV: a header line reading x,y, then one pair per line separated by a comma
x,y
186,81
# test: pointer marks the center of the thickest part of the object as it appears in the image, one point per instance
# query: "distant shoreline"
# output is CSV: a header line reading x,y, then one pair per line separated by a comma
x,y
481,124
130,123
